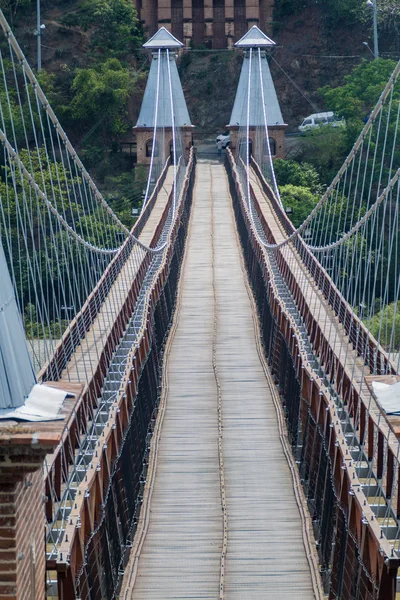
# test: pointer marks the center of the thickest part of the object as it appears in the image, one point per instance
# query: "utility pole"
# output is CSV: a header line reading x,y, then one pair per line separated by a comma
x,y
38,36
372,4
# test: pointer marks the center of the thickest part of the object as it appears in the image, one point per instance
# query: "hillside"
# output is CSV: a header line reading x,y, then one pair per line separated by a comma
x,y
308,56
94,71
312,49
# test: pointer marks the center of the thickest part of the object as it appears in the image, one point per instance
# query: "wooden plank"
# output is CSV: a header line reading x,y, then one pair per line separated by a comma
x,y
180,555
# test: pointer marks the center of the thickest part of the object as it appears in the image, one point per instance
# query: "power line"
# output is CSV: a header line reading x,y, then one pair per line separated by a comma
x,y
314,106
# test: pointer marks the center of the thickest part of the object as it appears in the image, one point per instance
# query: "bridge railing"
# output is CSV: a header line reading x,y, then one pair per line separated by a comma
x,y
366,415
89,529
368,419
82,322
362,564
367,347
58,468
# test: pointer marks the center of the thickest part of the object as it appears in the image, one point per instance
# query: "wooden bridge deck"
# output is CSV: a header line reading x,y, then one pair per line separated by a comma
x,y
217,443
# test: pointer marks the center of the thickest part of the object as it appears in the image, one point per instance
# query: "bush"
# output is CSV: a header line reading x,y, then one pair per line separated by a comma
x,y
326,149
116,28
362,87
298,174
300,199
381,325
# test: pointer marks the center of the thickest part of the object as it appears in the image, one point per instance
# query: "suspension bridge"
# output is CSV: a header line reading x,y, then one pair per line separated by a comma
x,y
205,405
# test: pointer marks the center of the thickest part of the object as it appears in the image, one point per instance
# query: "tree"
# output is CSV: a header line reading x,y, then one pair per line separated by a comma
x,y
300,199
325,148
334,11
357,97
115,27
299,174
38,249
11,7
385,326
388,16
102,92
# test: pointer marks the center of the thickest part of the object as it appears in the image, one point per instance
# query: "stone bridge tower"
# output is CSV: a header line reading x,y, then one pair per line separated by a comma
x,y
257,40
163,40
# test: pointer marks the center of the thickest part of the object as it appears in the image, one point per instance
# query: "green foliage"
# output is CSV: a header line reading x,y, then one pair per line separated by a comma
x,y
349,11
298,174
35,330
127,192
102,92
11,7
55,92
381,325
284,8
45,172
362,87
388,17
13,121
300,199
17,121
184,62
115,27
43,251
325,149
357,97
299,187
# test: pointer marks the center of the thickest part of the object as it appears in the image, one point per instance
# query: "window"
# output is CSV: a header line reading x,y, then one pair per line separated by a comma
x,y
239,18
149,147
272,146
243,147
198,21
219,40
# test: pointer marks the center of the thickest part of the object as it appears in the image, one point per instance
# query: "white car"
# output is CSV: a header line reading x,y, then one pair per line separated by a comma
x,y
225,138
319,119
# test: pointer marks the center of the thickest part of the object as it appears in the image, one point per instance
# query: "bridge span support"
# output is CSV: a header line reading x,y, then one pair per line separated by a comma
x,y
91,522
97,538
357,563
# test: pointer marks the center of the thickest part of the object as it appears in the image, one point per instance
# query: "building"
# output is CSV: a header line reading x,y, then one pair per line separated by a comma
x,y
155,117
215,23
259,106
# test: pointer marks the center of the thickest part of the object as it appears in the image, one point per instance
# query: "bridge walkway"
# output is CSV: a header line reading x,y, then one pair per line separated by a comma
x,y
217,442
85,359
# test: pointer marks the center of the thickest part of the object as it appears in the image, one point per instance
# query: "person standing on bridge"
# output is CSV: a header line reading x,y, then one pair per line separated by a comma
x,y
219,147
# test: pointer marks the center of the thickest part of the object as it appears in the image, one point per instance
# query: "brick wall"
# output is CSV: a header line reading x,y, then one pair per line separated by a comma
x,y
277,133
145,135
155,13
22,545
